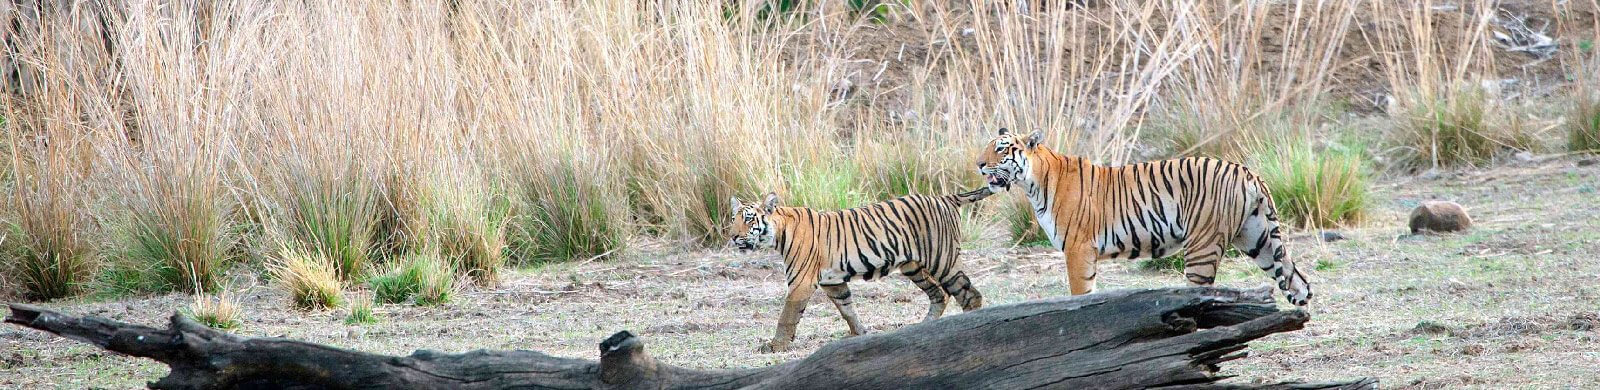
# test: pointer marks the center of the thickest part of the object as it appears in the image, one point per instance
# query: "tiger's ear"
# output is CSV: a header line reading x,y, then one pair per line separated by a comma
x,y
771,203
1003,131
733,202
1035,138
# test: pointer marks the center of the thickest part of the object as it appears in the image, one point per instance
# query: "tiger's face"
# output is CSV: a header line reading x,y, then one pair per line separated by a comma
x,y
1004,160
751,224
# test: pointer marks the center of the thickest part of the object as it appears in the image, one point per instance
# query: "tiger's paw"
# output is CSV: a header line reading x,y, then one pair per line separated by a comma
x,y
1300,300
773,347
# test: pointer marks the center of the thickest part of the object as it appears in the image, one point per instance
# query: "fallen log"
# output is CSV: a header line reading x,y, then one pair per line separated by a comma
x,y
1161,338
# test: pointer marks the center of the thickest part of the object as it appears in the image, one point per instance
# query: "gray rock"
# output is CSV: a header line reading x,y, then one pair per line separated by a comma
x,y
1331,236
1439,217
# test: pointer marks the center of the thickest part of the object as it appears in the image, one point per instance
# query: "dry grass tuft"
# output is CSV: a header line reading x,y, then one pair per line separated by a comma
x,y
1583,114
1233,91
1445,97
308,278
49,232
221,311
361,312
469,227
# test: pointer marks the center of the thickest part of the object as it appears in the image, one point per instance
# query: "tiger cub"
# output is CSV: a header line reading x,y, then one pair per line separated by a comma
x,y
916,235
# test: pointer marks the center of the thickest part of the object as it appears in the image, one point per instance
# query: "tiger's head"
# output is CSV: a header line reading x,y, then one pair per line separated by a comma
x,y
751,224
1005,159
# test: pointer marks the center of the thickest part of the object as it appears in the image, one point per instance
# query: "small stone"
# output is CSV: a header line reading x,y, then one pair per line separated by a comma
x,y
1430,327
1331,236
1439,217
1587,162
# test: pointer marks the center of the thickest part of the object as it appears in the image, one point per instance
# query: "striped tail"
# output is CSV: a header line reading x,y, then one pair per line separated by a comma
x,y
970,197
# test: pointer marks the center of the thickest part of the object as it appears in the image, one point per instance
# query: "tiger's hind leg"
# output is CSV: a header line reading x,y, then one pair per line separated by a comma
x,y
919,275
957,285
1261,240
1200,260
840,295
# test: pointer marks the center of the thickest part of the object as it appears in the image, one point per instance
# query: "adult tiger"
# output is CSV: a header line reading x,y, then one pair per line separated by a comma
x,y
1149,209
916,235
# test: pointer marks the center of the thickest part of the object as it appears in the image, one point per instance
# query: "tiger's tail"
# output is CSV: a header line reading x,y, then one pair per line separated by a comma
x,y
970,197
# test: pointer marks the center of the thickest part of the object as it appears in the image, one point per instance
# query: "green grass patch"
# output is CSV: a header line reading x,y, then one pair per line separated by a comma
x,y
825,185
1170,263
361,313
558,217
421,276
1452,128
1326,265
1315,187
1023,225
338,219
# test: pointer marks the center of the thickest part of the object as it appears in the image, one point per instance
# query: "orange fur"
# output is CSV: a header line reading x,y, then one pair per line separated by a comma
x,y
1151,209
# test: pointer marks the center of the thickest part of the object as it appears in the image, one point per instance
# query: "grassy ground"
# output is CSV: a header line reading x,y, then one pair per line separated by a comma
x,y
1514,303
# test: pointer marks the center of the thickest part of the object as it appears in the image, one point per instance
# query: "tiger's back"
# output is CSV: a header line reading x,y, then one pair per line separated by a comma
x,y
1153,208
867,242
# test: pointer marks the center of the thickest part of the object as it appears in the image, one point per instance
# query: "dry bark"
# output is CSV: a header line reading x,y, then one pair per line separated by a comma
x,y
1160,338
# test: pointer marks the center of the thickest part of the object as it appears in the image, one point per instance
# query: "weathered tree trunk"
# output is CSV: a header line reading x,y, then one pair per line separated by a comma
x,y
1119,339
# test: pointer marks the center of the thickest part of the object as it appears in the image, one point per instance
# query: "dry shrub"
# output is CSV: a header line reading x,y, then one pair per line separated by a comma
x,y
1455,128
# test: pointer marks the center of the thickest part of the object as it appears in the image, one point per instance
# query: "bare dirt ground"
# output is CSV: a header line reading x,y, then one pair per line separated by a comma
x,y
1514,303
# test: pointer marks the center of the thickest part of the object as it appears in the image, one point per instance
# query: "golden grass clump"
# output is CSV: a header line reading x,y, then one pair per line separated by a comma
x,y
221,311
468,226
1583,113
310,279
50,234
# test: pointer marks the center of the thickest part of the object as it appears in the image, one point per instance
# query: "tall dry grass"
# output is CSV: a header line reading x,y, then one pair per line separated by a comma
x,y
493,133
1583,111
1443,82
1251,70
50,235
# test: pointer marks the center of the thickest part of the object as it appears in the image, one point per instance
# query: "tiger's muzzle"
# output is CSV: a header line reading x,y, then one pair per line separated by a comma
x,y
742,244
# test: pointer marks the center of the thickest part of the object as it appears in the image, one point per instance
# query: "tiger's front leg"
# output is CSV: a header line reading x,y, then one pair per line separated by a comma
x,y
793,306
1081,270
